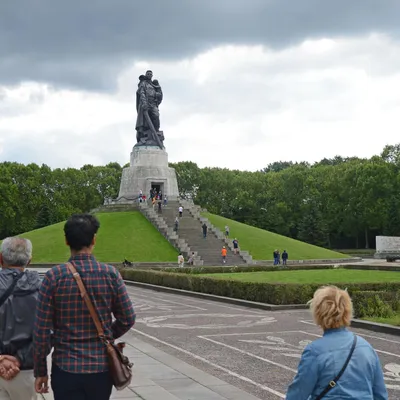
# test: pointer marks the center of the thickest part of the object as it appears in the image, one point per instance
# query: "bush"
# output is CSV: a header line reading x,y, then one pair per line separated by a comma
x,y
219,270
270,293
381,304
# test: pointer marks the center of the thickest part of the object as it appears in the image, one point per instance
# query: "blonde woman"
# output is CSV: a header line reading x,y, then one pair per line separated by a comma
x,y
340,365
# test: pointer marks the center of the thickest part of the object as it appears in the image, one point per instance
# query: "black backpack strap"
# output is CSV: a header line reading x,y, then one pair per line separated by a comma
x,y
8,292
333,383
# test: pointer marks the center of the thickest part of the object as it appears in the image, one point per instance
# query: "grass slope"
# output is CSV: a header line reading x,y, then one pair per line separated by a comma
x,y
121,235
324,276
261,243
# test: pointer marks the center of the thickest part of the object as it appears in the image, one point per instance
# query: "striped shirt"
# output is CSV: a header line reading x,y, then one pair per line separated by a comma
x,y
61,309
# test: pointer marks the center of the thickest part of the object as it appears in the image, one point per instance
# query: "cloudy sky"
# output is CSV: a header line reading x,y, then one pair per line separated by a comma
x,y
245,82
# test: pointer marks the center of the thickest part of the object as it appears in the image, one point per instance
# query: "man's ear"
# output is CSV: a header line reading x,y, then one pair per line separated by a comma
x,y
29,261
1,259
94,240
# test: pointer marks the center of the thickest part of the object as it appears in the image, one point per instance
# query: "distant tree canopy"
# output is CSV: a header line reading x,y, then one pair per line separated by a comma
x,y
32,197
337,203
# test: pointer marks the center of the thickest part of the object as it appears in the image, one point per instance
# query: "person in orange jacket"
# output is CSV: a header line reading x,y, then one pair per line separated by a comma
x,y
223,254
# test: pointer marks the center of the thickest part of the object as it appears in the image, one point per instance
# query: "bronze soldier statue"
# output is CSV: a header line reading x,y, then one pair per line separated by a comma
x,y
148,97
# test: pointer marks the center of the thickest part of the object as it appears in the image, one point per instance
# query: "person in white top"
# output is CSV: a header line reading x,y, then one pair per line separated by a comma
x,y
181,260
180,209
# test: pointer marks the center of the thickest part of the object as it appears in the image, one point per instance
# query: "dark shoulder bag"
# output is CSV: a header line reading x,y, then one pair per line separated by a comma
x,y
119,365
333,383
9,291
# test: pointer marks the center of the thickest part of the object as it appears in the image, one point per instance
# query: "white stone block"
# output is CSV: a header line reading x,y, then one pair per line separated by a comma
x,y
387,244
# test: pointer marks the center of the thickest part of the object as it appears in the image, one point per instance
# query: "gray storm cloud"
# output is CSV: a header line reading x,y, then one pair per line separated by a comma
x,y
83,44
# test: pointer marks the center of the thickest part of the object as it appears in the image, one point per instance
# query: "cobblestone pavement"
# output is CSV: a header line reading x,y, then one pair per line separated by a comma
x,y
161,376
257,351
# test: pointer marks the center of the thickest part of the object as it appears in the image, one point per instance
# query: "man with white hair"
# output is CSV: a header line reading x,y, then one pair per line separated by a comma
x,y
19,291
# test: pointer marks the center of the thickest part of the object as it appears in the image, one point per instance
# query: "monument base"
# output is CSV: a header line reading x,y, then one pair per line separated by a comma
x,y
148,170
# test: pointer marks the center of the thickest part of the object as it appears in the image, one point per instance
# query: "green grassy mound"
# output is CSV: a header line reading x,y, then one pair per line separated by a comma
x,y
261,243
323,277
121,235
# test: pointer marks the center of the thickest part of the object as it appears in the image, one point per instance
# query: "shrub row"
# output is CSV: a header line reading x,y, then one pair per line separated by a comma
x,y
218,270
376,303
270,293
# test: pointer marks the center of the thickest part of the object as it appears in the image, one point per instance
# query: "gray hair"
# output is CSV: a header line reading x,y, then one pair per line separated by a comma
x,y
16,251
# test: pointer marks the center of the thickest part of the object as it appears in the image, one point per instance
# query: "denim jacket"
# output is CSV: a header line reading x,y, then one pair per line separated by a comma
x,y
322,360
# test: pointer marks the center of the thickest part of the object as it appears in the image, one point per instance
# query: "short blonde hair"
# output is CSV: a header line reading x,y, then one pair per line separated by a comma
x,y
331,307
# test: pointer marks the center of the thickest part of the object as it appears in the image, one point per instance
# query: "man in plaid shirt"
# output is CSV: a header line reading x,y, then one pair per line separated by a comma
x,y
79,367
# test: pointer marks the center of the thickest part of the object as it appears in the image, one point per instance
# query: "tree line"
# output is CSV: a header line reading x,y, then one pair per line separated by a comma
x,y
33,196
336,203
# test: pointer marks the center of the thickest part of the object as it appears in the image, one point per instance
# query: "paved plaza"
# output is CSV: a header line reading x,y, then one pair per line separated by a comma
x,y
257,351
187,348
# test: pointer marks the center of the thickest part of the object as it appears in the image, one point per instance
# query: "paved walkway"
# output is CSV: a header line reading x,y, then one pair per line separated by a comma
x,y
257,351
160,376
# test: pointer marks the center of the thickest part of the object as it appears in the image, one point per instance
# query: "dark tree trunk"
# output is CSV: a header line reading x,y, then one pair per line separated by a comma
x,y
366,239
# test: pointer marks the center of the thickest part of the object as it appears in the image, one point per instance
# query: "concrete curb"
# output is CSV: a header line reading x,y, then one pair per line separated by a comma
x,y
229,300
375,327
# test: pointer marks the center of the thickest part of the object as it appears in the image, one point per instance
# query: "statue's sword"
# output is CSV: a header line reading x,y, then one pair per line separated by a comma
x,y
153,131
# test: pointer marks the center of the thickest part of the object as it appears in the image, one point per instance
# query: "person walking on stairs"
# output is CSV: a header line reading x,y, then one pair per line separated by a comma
x,y
204,230
223,254
181,260
226,231
176,224
180,209
235,246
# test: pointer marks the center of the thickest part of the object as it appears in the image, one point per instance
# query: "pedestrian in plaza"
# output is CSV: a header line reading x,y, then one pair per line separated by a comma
x,y
204,228
223,254
226,231
180,209
181,260
278,257
340,365
159,206
285,257
235,243
80,363
275,255
19,290
165,200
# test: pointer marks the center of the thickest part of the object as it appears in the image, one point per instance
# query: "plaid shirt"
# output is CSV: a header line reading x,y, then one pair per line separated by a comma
x,y
77,348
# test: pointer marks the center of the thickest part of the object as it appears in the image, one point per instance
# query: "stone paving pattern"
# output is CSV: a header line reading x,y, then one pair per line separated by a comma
x,y
255,350
160,376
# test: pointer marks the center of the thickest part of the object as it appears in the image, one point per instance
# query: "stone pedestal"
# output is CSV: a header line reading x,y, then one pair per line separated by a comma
x,y
387,246
148,168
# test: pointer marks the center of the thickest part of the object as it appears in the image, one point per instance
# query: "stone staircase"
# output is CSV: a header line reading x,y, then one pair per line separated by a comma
x,y
189,237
